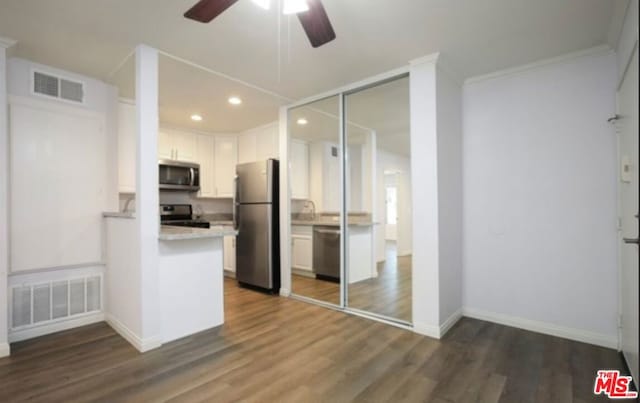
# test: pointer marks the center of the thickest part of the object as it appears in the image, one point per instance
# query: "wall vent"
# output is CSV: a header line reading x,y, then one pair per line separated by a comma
x,y
57,87
43,303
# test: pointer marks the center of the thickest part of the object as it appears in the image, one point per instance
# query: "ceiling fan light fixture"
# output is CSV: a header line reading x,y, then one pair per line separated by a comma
x,y
294,6
266,4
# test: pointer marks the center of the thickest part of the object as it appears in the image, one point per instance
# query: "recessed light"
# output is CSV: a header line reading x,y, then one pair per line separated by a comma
x,y
196,118
235,101
266,4
302,121
294,6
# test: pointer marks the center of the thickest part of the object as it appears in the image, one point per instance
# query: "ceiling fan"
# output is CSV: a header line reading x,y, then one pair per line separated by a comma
x,y
311,14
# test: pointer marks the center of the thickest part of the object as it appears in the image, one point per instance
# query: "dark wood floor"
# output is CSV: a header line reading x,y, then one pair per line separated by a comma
x,y
274,349
389,294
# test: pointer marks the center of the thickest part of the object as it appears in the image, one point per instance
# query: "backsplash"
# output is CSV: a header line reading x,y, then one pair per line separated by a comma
x,y
200,206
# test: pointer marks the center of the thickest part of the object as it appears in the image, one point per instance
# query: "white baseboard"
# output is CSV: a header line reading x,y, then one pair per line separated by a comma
x,y
229,273
437,332
142,345
38,331
5,350
285,292
427,330
551,329
451,320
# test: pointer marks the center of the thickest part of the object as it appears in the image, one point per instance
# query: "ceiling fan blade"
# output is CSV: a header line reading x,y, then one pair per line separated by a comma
x,y
316,24
207,10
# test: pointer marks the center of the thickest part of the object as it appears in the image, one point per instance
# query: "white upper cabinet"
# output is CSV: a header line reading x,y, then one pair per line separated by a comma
x,y
299,159
165,145
206,159
259,144
247,148
126,148
177,145
226,158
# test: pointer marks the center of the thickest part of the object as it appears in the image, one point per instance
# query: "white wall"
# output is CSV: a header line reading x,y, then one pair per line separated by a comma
x,y
4,197
540,198
449,105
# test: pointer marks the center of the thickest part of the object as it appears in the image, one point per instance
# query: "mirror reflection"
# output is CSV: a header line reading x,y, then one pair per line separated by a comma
x,y
379,195
315,155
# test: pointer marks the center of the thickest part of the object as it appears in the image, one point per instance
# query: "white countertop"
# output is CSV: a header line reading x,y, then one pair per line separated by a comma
x,y
120,214
327,223
170,233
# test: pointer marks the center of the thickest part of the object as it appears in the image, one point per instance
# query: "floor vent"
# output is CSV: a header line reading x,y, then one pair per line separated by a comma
x,y
57,87
44,303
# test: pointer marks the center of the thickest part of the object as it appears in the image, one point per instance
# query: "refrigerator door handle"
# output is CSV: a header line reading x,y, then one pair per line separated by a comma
x,y
235,202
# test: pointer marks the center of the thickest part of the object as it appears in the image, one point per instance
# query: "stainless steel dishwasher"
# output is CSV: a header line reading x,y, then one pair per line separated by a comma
x,y
326,252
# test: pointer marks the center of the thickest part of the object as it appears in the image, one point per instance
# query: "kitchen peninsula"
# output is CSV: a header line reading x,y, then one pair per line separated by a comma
x,y
185,289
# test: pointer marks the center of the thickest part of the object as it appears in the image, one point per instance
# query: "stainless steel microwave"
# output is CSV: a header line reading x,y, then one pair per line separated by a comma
x,y
179,175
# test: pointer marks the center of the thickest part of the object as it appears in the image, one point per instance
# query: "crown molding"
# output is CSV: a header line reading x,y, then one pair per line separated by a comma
x,y
597,50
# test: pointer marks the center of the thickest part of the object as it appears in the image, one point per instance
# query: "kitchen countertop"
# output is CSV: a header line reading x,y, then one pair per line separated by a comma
x,y
325,223
170,233
120,214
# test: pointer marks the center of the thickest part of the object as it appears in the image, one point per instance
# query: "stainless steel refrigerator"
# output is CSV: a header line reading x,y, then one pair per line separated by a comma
x,y
256,218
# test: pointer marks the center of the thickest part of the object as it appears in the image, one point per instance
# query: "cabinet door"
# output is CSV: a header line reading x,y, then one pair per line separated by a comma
x,y
230,253
184,145
126,148
247,148
205,157
299,170
226,158
165,145
267,143
302,252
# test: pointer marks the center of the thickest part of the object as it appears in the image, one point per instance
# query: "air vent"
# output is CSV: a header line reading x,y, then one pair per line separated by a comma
x,y
57,87
38,304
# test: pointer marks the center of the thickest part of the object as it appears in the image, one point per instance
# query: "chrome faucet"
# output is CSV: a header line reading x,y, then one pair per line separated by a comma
x,y
313,208
126,204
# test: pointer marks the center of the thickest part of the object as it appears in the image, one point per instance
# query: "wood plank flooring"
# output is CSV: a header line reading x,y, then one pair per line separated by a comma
x,y
389,294
274,349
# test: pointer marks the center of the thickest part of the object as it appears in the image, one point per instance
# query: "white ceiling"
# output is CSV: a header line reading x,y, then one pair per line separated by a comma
x,y
477,36
94,37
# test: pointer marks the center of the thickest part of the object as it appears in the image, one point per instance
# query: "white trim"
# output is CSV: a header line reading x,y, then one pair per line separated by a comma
x,y
37,331
430,58
5,350
584,336
448,324
6,43
352,87
597,50
142,345
437,332
426,330
284,292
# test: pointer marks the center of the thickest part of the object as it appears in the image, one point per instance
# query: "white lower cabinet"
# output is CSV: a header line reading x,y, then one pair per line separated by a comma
x,y
302,248
230,253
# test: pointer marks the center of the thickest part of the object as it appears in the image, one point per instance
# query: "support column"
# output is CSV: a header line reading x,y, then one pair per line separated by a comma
x,y
436,165
4,199
147,197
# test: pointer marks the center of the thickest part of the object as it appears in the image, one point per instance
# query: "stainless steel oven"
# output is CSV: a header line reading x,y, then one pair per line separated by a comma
x,y
179,175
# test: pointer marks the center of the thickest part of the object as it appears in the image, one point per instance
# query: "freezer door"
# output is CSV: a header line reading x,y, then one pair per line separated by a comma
x,y
253,246
255,182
